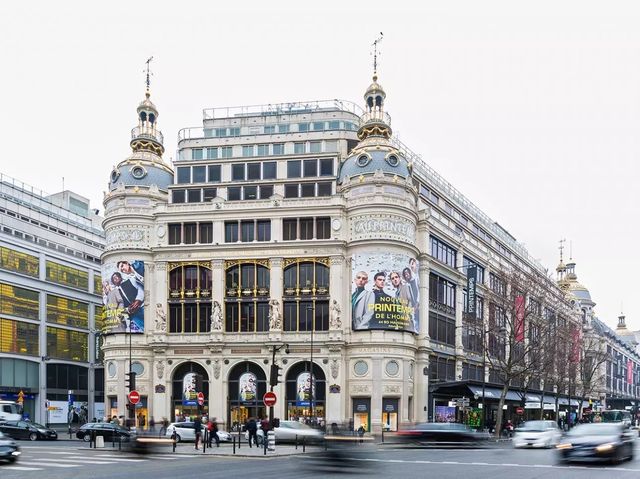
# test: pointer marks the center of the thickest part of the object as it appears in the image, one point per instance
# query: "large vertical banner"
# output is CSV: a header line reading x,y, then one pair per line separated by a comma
x,y
629,371
576,344
472,276
123,296
189,393
385,292
305,389
248,385
519,329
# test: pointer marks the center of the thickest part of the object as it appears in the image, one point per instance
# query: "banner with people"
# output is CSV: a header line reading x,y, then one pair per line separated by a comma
x,y
385,293
248,385
189,392
305,389
123,296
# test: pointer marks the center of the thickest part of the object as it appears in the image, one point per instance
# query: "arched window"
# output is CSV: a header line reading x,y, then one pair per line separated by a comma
x,y
247,296
143,116
247,386
152,118
306,294
189,297
182,405
304,397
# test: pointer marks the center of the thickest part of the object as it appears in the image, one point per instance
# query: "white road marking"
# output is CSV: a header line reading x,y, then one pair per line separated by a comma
x,y
20,468
77,460
52,464
118,459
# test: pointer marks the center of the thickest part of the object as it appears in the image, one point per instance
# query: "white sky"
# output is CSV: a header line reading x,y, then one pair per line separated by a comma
x,y
530,109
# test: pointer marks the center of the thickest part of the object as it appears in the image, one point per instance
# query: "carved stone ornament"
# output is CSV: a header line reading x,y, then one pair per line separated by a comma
x,y
385,227
335,368
216,369
275,318
160,369
160,388
161,318
360,389
112,388
216,317
394,389
334,316
127,237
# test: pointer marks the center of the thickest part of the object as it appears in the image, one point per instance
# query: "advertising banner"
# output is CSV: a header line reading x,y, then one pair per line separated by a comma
x,y
629,371
189,393
385,292
248,385
472,276
123,296
305,389
445,414
59,412
519,329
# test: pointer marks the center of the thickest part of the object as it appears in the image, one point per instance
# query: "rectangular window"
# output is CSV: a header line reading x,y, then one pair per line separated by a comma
x,y
315,147
234,193
18,337
310,168
19,262
247,231
442,328
334,125
263,150
231,231
178,196
175,233
331,146
291,190
238,172
226,152
293,168
318,126
324,189
269,170
269,130
234,131
67,312
306,228
212,153
199,174
250,192
253,171
266,192
190,233
323,228
247,150
206,233
19,302
307,190
466,262
184,174
68,276
66,344
303,127
283,128
278,148
298,148
214,173
196,154
209,193
289,229
193,196
326,167
263,228
442,252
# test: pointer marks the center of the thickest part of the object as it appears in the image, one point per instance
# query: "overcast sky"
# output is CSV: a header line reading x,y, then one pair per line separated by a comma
x,y
530,109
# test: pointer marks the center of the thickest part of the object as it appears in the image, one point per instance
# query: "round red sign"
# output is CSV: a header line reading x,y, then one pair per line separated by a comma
x,y
200,399
134,397
269,399
519,410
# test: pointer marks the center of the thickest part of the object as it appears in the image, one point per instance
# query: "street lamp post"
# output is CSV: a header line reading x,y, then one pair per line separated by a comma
x,y
312,379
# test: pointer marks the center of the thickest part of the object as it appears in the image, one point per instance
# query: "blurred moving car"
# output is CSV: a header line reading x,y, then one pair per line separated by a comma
x,y
616,415
537,434
9,450
27,430
9,411
441,433
289,431
185,431
107,430
597,442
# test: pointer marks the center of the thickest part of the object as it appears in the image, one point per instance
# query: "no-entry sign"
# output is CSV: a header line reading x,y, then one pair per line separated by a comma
x,y
134,397
200,399
269,399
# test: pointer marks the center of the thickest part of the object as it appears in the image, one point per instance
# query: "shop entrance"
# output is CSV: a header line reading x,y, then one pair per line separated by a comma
x,y
306,395
189,379
247,386
390,414
362,413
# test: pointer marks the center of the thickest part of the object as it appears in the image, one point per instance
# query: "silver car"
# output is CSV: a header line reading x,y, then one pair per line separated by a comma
x,y
185,431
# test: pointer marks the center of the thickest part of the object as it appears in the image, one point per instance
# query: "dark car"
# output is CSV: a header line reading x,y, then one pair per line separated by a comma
x,y
107,430
27,430
597,442
441,433
9,450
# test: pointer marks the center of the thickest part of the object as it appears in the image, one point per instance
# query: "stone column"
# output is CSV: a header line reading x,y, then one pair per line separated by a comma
x,y
421,389
340,293
376,395
424,295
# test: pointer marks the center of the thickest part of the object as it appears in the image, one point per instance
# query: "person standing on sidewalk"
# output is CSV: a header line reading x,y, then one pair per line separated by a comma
x,y
252,429
197,426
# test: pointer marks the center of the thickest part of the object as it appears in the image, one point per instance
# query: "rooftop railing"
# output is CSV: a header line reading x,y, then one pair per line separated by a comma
x,y
146,132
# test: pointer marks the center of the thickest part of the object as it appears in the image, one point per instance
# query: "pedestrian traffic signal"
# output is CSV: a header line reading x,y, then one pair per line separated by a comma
x,y
274,377
130,381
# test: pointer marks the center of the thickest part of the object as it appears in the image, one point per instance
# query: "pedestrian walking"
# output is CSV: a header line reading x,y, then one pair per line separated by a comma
x,y
152,424
214,432
197,427
163,427
361,433
252,429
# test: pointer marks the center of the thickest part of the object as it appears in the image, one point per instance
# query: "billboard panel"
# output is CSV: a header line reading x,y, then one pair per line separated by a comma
x,y
305,388
189,393
248,385
385,293
123,296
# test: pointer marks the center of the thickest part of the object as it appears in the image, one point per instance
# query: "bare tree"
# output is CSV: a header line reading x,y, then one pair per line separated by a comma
x,y
593,356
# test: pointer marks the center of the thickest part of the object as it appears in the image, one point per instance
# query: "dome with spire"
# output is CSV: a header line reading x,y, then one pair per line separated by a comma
x,y
624,333
144,167
375,152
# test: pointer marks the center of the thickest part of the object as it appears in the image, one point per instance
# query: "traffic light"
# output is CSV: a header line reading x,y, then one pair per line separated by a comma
x,y
274,377
130,381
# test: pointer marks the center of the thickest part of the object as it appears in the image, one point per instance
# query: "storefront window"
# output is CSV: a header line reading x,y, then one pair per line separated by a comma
x,y
19,262
305,393
306,294
390,414
247,286
21,302
362,414
247,386
183,405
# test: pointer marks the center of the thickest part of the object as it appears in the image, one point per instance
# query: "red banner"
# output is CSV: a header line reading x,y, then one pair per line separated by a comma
x,y
629,371
519,329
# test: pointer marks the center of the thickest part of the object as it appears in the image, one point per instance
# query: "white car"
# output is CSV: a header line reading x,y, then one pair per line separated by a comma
x,y
185,431
537,434
289,431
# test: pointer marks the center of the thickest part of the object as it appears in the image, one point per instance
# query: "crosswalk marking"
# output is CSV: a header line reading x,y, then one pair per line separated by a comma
x,y
112,457
21,468
81,460
45,463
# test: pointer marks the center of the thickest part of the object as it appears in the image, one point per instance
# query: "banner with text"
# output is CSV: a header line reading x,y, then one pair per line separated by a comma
x,y
123,296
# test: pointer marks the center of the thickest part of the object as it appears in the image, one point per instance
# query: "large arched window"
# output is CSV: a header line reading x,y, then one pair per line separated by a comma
x,y
189,297
306,294
305,397
247,386
181,404
247,296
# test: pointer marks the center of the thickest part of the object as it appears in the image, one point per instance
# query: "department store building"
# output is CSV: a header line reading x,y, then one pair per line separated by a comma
x,y
299,224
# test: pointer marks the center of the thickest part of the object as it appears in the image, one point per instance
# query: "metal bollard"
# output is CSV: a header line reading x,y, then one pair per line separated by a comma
x,y
173,438
296,442
113,440
383,434
204,441
265,441
119,443
234,444
304,443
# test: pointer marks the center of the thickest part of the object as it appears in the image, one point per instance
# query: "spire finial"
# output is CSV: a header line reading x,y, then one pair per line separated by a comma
x,y
148,92
570,250
375,56
561,247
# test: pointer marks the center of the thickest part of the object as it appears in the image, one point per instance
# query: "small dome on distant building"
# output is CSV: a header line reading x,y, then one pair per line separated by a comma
x,y
624,333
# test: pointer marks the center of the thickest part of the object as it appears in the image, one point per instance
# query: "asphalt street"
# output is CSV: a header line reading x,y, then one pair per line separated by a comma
x,y
68,460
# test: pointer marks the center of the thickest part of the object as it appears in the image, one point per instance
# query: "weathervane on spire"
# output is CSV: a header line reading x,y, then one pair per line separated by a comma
x,y
375,54
561,247
149,73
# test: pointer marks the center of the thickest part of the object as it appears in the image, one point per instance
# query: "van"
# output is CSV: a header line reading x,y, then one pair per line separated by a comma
x,y
9,411
617,415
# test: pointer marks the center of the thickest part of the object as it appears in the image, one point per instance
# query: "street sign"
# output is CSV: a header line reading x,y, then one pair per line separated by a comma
x,y
200,399
519,410
134,397
269,399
